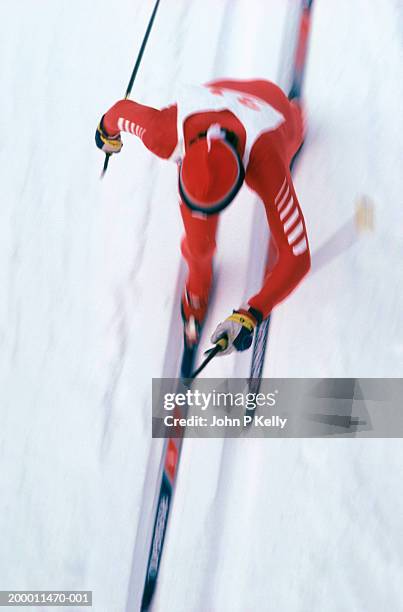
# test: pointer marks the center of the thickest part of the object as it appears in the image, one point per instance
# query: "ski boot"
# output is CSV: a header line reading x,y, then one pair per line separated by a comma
x,y
194,310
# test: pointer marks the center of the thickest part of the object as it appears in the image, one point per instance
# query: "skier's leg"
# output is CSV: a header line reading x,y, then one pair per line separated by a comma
x,y
198,247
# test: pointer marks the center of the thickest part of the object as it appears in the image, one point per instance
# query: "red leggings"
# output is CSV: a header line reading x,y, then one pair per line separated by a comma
x,y
198,247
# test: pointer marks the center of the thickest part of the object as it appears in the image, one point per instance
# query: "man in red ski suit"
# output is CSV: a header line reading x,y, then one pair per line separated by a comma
x,y
220,134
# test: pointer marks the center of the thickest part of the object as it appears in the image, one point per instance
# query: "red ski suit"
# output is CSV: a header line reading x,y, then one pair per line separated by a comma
x,y
267,173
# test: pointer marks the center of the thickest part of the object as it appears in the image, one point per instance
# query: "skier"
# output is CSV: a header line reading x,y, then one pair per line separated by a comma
x,y
220,135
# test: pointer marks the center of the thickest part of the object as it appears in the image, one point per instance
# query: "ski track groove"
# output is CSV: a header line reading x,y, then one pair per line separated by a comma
x,y
108,401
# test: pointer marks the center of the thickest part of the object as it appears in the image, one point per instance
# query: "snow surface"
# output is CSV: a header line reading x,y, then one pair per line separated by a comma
x,y
89,271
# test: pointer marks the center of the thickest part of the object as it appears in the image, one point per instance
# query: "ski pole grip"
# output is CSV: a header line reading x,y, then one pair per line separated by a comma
x,y
222,343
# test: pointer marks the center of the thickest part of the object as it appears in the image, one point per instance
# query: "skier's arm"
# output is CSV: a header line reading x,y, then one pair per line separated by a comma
x,y
155,128
272,181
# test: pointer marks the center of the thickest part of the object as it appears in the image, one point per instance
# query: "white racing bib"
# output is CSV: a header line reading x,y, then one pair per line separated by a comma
x,y
256,115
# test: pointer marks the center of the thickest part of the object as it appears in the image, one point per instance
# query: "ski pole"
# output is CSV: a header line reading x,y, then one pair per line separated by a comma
x,y
134,73
221,345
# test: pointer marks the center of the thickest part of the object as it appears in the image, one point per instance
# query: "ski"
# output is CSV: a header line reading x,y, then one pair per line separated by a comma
x,y
170,463
188,358
298,71
301,50
168,473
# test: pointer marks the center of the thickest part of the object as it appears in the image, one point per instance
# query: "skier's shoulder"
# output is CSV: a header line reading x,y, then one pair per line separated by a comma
x,y
261,88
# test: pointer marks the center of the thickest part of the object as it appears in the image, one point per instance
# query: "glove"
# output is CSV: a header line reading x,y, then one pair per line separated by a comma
x,y
237,329
107,144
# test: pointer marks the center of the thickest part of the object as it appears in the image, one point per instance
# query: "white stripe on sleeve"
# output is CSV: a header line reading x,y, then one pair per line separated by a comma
x,y
291,220
281,191
283,200
296,233
300,247
287,209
